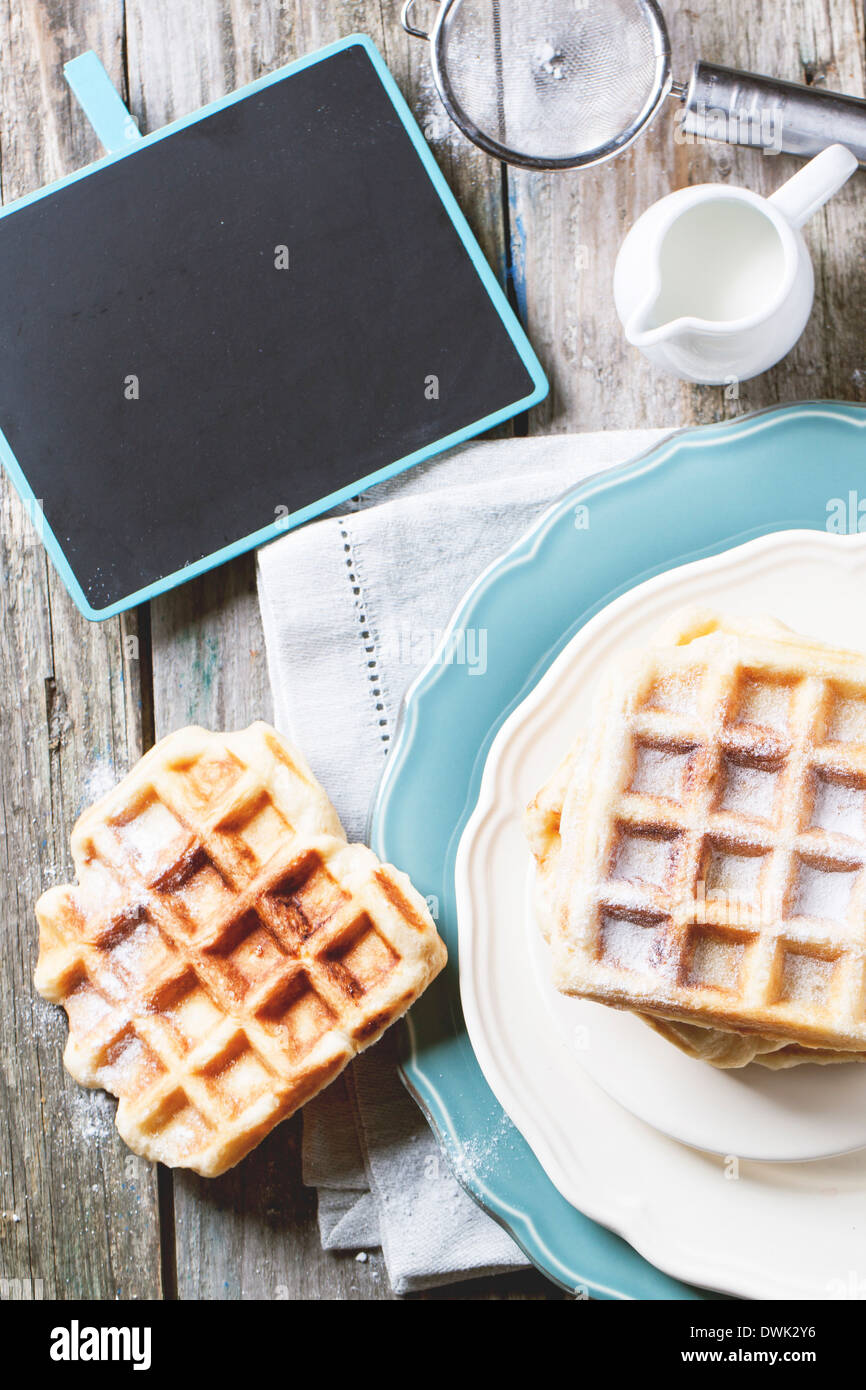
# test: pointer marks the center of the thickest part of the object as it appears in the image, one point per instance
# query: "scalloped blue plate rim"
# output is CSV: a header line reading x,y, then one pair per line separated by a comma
x,y
597,1268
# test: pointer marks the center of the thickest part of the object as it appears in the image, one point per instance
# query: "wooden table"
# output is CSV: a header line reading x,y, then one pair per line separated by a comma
x,y
80,702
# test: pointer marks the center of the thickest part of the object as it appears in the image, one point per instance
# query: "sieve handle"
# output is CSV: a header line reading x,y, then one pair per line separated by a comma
x,y
745,109
406,21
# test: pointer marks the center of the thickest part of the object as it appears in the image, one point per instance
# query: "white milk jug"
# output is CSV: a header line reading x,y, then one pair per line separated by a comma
x,y
715,284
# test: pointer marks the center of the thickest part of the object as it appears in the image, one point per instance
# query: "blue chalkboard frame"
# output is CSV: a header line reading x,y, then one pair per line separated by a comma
x,y
116,128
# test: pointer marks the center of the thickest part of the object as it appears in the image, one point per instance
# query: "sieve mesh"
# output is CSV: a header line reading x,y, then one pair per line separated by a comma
x,y
551,80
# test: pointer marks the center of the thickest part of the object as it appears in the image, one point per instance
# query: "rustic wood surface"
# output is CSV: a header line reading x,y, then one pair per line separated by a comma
x,y
79,1215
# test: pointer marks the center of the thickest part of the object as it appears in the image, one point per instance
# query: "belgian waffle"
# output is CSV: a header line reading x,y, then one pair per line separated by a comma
x,y
225,952
729,1050
702,851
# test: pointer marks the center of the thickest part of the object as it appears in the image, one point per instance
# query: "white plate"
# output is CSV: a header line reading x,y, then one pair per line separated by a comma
x,y
770,1116
756,1229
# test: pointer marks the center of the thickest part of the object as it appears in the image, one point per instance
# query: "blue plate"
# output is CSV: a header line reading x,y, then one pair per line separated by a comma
x,y
697,493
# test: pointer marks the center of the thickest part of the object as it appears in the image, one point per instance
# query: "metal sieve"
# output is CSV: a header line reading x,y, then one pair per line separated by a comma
x,y
562,84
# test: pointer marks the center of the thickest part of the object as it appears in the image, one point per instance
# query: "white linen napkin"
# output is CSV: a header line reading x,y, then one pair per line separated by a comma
x,y
353,607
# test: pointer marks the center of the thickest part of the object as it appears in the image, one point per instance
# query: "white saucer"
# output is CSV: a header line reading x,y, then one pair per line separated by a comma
x,y
768,1229
792,1116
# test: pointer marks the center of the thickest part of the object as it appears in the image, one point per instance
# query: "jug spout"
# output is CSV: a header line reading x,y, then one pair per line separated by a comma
x,y
647,326
802,196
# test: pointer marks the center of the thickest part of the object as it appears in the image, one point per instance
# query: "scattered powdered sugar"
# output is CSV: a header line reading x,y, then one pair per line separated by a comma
x,y
153,835
46,1022
659,771
735,875
848,720
91,1115
677,693
136,949
86,1007
439,130
823,891
628,944
186,1130
480,1154
125,1064
98,888
550,59
748,791
53,874
642,858
765,702
806,979
101,778
839,808
716,962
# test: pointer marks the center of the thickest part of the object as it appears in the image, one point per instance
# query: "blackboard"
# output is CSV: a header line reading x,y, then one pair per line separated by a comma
x,y
224,331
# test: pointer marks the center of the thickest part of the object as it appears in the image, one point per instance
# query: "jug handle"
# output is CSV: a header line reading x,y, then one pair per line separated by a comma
x,y
812,185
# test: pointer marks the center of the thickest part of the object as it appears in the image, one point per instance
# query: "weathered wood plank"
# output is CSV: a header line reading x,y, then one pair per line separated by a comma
x,y
567,229
70,707
77,1211
253,1233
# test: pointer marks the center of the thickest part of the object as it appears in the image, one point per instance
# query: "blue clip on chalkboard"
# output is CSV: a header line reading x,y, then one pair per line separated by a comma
x,y
225,328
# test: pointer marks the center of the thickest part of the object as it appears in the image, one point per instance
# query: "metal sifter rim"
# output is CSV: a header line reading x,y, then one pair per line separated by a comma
x,y
439,64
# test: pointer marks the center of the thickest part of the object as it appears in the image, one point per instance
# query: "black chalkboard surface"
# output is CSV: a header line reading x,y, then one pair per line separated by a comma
x,y
224,331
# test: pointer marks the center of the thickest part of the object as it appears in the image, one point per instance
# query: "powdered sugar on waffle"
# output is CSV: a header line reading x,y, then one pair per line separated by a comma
x,y
659,771
839,808
226,951
749,791
712,838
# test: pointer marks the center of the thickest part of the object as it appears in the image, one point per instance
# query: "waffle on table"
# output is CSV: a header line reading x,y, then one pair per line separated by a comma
x,y
701,851
225,952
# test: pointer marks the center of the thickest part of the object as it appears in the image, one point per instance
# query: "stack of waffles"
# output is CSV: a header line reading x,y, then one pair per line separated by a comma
x,y
701,852
225,951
